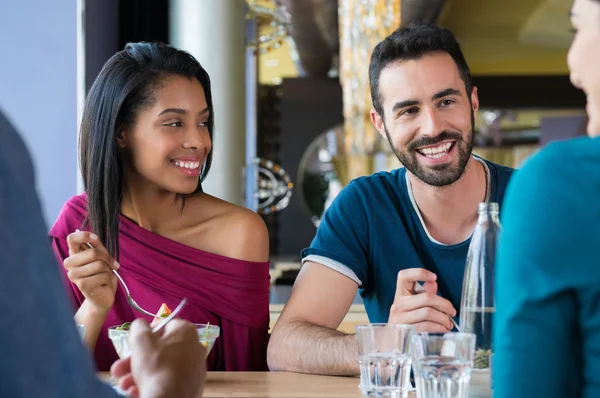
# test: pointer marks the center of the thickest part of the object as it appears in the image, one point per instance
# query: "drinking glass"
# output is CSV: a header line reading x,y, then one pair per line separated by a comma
x,y
442,364
384,359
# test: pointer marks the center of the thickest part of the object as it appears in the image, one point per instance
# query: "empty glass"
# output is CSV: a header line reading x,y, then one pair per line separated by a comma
x,y
442,364
384,358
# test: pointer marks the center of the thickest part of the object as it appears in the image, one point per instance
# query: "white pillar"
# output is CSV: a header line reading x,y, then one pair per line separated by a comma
x,y
213,31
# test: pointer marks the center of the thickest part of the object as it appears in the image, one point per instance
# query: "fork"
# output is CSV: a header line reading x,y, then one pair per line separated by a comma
x,y
420,289
132,302
171,316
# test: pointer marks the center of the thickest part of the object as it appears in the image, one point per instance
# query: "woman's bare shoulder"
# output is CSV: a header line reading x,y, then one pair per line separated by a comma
x,y
234,231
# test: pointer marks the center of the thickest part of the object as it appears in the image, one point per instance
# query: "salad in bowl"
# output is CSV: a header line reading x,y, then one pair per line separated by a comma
x,y
119,334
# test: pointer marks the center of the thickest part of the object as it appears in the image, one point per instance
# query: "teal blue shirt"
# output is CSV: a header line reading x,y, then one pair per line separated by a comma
x,y
547,324
372,230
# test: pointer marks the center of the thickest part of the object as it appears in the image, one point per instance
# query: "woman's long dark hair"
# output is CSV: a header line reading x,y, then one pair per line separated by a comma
x,y
126,84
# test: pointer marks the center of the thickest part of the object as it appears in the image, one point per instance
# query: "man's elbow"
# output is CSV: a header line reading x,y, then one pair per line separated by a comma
x,y
274,351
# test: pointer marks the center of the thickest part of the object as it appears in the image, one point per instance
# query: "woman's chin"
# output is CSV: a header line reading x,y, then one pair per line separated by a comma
x,y
593,126
183,189
188,191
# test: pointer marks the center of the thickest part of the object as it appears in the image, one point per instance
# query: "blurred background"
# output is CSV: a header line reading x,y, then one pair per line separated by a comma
x,y
290,88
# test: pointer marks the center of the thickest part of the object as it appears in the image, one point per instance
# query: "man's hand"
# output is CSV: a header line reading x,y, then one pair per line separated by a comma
x,y
121,371
425,310
171,365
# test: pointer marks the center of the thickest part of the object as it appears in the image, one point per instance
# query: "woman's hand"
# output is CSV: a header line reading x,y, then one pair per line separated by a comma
x,y
90,269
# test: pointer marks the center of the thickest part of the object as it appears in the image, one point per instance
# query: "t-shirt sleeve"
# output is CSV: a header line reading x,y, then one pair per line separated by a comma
x,y
544,256
343,234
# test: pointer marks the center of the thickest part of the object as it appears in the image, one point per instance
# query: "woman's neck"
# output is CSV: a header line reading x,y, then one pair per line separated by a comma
x,y
151,207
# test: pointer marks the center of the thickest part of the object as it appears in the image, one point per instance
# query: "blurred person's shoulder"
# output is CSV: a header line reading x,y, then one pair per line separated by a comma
x,y
15,163
574,162
566,172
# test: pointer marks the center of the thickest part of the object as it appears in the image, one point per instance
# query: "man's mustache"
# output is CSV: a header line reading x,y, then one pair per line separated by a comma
x,y
427,141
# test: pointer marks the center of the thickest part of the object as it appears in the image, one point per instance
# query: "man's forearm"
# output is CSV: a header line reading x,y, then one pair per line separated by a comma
x,y
306,348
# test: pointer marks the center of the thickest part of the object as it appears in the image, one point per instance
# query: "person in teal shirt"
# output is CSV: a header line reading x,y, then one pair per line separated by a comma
x,y
386,233
547,324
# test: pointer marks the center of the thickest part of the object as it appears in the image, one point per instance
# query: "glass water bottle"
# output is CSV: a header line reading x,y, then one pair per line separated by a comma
x,y
478,306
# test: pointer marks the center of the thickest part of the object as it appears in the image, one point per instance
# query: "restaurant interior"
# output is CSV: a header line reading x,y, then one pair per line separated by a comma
x,y
309,132
292,98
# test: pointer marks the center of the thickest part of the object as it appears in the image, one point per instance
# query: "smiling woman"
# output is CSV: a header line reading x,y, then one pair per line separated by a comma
x,y
145,148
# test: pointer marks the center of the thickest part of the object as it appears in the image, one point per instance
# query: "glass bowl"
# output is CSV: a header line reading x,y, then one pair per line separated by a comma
x,y
207,335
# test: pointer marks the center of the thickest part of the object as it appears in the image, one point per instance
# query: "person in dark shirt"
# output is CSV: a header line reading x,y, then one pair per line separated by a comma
x,y
42,352
386,232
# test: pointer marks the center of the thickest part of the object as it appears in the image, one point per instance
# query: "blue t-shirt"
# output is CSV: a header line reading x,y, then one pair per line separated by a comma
x,y
373,229
547,322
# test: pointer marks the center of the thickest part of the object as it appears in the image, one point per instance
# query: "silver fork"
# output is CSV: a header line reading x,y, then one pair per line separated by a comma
x,y
171,316
135,305
420,289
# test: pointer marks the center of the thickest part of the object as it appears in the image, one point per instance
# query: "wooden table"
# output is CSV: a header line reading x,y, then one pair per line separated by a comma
x,y
279,385
294,385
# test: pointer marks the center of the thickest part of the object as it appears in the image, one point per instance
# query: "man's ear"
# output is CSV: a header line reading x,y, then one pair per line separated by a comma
x,y
474,101
377,121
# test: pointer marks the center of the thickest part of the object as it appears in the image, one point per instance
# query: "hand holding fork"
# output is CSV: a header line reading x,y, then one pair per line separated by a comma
x,y
94,272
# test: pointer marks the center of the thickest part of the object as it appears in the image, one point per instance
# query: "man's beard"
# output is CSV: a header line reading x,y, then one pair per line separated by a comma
x,y
437,175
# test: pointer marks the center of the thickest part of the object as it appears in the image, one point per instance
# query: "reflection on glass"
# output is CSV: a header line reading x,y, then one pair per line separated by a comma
x,y
325,168
318,180
274,187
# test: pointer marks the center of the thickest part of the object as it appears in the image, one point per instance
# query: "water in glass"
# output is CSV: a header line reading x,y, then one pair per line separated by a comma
x,y
443,377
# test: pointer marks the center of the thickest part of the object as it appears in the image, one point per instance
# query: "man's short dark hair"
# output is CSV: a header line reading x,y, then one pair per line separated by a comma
x,y
412,42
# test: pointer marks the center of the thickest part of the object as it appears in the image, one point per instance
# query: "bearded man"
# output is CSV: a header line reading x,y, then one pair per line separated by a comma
x,y
399,237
